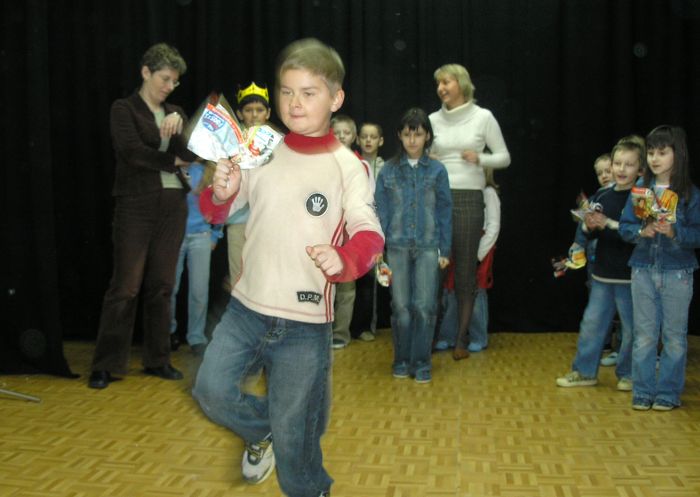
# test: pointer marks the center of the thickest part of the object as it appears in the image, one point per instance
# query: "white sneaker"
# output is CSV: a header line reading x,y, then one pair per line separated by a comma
x,y
367,336
609,360
624,385
574,379
258,461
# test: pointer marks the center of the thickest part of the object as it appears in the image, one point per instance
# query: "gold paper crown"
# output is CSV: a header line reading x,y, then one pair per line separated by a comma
x,y
253,89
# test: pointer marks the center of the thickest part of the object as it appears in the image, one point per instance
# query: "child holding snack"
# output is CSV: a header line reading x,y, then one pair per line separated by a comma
x,y
415,208
282,305
610,279
666,232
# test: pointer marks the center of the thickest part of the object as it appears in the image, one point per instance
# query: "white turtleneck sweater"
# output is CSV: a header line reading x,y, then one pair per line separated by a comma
x,y
468,127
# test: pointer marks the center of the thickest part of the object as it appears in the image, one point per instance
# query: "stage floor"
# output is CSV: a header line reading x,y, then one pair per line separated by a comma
x,y
492,425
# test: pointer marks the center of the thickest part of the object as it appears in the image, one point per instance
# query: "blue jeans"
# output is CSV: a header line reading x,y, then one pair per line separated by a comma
x,y
667,293
413,305
603,299
479,325
196,248
297,360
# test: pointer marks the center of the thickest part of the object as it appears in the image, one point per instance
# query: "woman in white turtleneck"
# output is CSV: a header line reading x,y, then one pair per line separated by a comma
x,y
467,139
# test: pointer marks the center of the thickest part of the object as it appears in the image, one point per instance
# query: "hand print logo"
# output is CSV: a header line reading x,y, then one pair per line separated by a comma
x,y
316,204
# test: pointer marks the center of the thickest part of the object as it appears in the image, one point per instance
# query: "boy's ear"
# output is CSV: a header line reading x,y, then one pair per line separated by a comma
x,y
239,115
338,100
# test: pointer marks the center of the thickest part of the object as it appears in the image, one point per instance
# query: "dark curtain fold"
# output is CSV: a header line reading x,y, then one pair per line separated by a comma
x,y
564,79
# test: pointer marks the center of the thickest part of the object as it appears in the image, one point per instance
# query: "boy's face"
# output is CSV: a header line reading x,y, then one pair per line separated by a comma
x,y
306,103
603,171
413,141
370,140
253,114
345,133
626,168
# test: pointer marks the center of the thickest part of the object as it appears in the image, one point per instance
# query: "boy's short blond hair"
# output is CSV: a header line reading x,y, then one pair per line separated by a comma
x,y
316,57
344,118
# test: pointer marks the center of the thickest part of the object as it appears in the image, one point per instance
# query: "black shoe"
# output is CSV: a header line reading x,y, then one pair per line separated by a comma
x,y
101,379
174,342
166,372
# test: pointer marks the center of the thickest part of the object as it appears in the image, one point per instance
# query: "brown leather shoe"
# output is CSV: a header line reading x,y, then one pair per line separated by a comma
x,y
459,353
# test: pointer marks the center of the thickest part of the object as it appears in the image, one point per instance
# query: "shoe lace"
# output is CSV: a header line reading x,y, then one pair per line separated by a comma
x,y
256,450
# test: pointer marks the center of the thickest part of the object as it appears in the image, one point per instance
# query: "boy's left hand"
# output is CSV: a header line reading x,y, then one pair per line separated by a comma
x,y
326,259
443,262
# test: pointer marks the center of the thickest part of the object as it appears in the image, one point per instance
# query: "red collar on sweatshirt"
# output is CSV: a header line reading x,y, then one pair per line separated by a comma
x,y
312,144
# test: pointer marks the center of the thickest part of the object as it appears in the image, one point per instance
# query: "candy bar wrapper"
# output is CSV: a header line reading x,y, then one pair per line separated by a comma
x,y
217,134
642,201
664,210
584,207
382,272
260,141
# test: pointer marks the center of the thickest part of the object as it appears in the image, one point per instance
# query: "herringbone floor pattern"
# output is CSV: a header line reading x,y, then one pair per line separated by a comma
x,y
493,425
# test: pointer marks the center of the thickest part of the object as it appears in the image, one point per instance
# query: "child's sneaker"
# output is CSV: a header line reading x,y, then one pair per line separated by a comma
x,y
258,461
475,347
662,405
609,360
624,385
441,345
423,376
574,379
367,336
641,404
400,371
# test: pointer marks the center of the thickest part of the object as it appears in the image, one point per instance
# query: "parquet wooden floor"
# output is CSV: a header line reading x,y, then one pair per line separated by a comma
x,y
493,425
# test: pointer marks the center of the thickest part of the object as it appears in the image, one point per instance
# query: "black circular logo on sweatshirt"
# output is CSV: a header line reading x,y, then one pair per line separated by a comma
x,y
316,204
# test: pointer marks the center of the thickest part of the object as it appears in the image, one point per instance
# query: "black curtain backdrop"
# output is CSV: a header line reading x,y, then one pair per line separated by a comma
x,y
565,79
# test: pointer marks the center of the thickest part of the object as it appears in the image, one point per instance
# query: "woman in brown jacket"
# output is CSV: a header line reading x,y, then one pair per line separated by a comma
x,y
149,220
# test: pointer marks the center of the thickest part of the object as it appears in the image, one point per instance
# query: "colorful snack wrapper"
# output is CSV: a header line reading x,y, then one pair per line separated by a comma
x,y
217,134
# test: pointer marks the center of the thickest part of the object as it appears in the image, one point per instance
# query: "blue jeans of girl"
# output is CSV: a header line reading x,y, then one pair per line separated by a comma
x,y
660,298
413,304
196,249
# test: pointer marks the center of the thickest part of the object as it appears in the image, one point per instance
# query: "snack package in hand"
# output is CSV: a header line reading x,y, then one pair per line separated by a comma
x,y
217,134
382,272
584,207
642,200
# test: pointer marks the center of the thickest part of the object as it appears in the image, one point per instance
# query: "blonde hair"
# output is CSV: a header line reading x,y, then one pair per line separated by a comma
x,y
316,57
344,118
162,55
459,73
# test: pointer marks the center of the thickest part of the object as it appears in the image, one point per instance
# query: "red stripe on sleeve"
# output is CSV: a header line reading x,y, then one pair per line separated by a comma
x,y
359,255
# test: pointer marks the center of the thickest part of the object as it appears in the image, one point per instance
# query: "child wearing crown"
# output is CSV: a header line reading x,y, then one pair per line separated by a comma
x,y
253,109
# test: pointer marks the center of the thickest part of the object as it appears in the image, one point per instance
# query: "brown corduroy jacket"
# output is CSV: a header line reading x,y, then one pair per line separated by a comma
x,y
136,139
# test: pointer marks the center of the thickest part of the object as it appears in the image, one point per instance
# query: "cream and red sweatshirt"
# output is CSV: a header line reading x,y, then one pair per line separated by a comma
x,y
304,196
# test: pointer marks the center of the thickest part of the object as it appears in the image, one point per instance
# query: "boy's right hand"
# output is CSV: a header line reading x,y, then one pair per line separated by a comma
x,y
226,181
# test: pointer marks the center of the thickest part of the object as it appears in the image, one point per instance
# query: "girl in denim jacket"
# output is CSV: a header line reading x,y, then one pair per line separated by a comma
x,y
663,261
415,210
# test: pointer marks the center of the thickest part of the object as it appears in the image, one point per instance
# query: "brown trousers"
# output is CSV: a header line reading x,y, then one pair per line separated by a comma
x,y
147,233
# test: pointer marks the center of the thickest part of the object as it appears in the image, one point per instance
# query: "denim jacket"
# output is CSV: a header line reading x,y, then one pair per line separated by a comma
x,y
662,252
414,204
